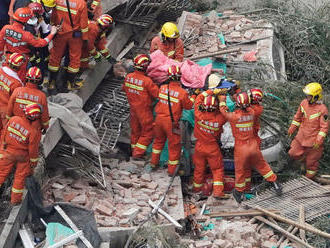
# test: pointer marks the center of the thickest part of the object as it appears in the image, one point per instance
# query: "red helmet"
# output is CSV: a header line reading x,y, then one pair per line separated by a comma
x,y
105,20
174,72
141,62
36,8
210,103
243,100
23,14
16,59
34,74
256,95
32,111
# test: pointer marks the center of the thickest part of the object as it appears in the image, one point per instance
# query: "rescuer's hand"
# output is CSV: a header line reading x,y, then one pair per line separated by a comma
x,y
291,130
54,30
219,91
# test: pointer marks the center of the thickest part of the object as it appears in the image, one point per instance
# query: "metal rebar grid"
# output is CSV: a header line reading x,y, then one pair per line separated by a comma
x,y
296,192
110,116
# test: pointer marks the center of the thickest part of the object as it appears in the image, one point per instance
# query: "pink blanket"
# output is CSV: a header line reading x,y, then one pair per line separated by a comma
x,y
193,75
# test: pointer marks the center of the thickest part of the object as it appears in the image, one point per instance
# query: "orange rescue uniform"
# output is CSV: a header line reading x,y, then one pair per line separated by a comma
x,y
208,129
64,38
14,39
173,50
96,44
313,124
20,147
247,151
23,96
9,81
140,91
179,100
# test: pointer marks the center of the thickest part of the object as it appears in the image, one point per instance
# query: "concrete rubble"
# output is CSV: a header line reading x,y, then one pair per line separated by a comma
x,y
125,201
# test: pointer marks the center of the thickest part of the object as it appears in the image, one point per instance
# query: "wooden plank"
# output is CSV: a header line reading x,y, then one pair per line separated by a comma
x,y
72,225
302,232
240,213
234,50
27,242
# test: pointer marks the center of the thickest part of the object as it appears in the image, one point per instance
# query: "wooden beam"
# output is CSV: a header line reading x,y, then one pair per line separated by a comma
x,y
234,50
239,213
302,232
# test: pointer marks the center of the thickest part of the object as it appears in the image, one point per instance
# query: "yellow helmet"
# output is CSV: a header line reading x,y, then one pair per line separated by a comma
x,y
170,30
49,3
315,90
214,81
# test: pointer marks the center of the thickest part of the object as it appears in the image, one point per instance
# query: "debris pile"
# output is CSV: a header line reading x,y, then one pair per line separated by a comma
x,y
125,202
215,32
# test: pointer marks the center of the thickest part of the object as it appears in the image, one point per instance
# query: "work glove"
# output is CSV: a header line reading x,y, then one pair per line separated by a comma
x,y
98,57
316,146
197,91
112,60
291,130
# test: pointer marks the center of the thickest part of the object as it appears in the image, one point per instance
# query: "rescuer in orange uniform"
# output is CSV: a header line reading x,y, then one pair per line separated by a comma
x,y
256,96
169,42
30,94
9,81
140,91
94,9
312,121
247,151
167,119
97,41
20,147
14,39
71,36
208,129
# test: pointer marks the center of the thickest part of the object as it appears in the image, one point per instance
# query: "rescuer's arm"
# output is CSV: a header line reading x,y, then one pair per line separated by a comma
x,y
297,119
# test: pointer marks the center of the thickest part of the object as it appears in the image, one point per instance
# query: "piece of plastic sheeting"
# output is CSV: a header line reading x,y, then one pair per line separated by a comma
x,y
55,232
68,108
194,75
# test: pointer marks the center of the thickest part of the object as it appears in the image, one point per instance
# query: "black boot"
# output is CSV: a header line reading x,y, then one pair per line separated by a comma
x,y
52,80
278,188
238,195
73,83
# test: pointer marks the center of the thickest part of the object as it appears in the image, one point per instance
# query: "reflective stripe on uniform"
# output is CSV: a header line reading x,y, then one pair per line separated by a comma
x,y
45,123
296,123
141,146
249,124
198,185
204,93
323,134
192,99
133,145
17,191
269,174
155,151
303,110
240,185
1,155
310,172
53,68
10,129
222,104
4,86
33,160
218,183
95,3
165,97
15,44
247,180
207,127
93,51
84,59
73,70
65,9
315,115
8,117
170,53
133,86
173,162
84,30
24,101
104,51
